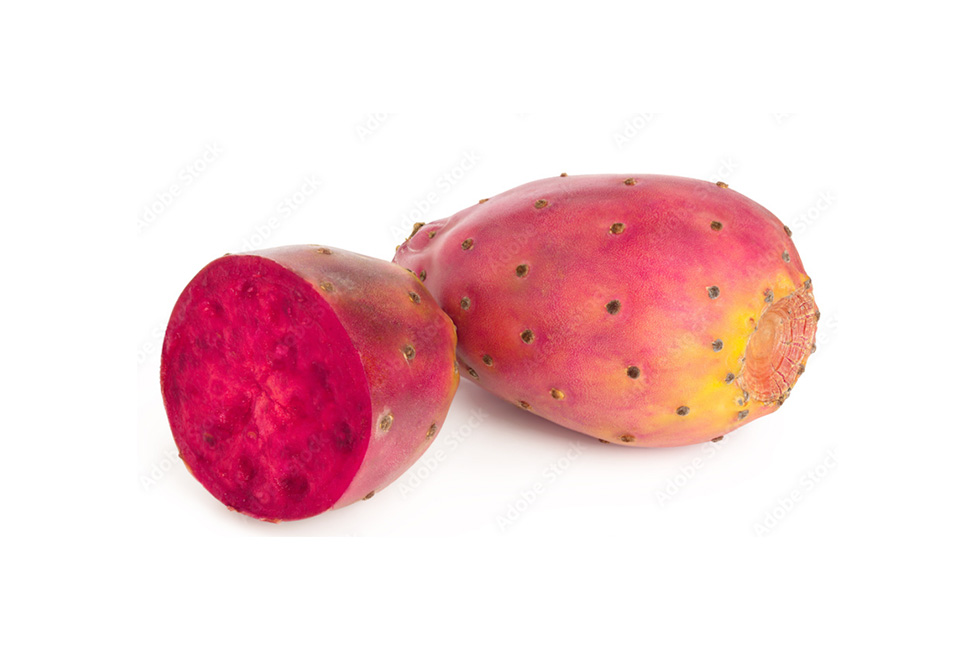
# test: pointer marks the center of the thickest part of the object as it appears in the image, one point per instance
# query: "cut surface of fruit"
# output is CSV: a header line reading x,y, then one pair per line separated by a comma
x,y
266,395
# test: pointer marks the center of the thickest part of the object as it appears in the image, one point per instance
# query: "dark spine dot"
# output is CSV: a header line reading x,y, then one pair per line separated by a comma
x,y
488,361
617,228
327,287
769,296
465,303
369,496
483,201
563,174
629,181
422,276
415,297
717,344
521,270
627,438
633,372
386,422
785,256
788,231
527,336
557,394
467,244
716,226
540,203
432,234
719,438
525,405
742,414
613,306
472,373
730,377
721,184
409,352
605,442
432,431
683,410
324,251
713,292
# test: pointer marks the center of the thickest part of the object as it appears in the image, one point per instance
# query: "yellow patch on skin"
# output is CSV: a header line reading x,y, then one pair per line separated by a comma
x,y
783,286
716,401
685,370
713,402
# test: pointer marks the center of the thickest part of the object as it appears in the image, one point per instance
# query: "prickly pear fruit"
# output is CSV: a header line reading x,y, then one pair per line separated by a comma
x,y
645,310
301,379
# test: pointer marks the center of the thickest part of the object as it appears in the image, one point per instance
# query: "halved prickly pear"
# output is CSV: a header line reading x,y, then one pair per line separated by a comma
x,y
303,378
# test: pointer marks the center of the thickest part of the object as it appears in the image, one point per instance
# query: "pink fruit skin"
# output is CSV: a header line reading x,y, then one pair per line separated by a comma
x,y
622,306
303,378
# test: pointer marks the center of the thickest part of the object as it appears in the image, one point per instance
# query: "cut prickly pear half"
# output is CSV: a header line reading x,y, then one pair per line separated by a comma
x,y
301,379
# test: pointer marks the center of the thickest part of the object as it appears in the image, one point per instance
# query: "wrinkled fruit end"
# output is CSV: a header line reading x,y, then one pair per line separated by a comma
x,y
777,351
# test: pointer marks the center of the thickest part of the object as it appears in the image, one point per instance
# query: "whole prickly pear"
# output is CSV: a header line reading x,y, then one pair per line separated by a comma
x,y
301,379
644,310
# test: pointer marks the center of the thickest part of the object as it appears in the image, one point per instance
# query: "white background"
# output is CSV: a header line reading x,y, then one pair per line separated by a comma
x,y
845,518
